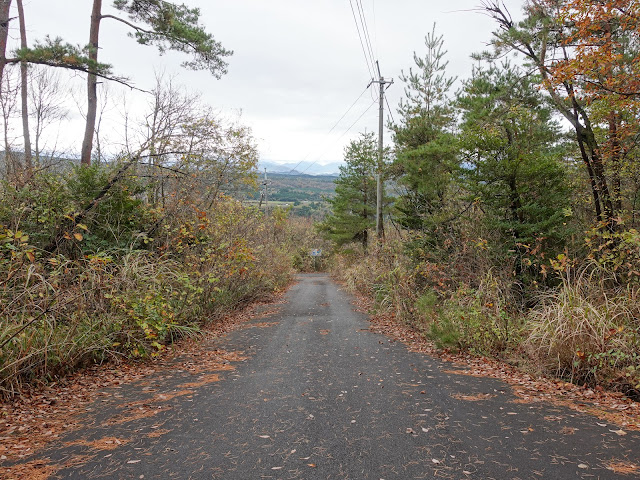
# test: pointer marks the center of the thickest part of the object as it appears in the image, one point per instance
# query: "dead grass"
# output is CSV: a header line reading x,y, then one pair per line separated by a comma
x,y
586,331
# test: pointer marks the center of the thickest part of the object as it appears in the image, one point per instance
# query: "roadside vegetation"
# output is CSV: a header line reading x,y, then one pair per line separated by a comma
x,y
85,281
511,207
512,230
119,254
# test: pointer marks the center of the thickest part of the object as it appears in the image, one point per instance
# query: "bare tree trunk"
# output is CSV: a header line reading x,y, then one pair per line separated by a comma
x,y
5,6
92,85
24,93
8,101
615,160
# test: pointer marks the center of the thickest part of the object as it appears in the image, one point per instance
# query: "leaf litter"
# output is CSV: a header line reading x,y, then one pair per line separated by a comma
x,y
44,413
613,407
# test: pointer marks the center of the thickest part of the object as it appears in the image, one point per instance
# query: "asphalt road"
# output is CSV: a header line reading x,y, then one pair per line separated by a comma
x,y
320,397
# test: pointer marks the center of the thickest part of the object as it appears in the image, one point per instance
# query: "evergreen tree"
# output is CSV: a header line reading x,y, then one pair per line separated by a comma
x,y
353,209
426,159
513,158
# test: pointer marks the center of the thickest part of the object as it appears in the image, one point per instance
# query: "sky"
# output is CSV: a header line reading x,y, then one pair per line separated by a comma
x,y
297,66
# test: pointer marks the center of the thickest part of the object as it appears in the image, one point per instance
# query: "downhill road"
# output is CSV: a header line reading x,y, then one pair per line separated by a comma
x,y
311,393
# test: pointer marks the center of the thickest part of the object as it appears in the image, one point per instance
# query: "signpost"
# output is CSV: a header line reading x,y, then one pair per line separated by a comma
x,y
315,253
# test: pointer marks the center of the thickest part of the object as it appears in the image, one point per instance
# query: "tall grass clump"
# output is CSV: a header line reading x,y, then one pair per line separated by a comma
x,y
587,331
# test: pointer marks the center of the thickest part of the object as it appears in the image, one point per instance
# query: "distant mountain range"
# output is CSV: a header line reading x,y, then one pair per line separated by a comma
x,y
307,168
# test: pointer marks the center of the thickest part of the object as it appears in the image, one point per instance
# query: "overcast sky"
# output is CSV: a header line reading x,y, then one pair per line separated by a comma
x,y
297,65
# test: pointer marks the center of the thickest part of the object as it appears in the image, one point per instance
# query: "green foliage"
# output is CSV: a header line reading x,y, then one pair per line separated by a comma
x,y
107,290
426,155
353,208
513,161
616,252
117,220
175,27
57,53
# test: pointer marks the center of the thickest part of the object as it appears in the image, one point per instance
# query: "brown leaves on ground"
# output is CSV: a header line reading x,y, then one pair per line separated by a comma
x,y
262,324
478,397
40,469
41,415
107,443
36,470
613,407
622,467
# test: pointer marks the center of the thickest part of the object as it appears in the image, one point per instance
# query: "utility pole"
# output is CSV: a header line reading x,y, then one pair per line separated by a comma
x,y
379,183
266,194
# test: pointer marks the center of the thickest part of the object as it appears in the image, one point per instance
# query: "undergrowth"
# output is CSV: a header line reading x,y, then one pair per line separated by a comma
x,y
124,278
585,329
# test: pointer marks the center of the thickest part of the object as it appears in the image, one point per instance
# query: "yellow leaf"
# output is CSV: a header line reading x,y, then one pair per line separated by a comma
x,y
78,236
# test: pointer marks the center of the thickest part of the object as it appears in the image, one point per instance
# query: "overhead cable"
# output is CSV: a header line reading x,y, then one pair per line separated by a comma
x,y
333,128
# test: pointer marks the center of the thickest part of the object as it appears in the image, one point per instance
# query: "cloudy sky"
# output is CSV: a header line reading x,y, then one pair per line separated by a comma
x,y
297,65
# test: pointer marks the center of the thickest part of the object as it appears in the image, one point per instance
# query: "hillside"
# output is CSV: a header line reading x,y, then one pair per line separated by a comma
x,y
306,194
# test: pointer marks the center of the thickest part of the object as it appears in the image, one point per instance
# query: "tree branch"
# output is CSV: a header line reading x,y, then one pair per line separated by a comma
x,y
79,68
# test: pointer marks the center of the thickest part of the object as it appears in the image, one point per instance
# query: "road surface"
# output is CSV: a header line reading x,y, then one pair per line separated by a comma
x,y
310,393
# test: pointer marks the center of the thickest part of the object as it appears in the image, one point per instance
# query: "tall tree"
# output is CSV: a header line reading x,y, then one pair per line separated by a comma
x,y
605,44
24,91
353,209
5,9
513,159
425,145
543,39
166,25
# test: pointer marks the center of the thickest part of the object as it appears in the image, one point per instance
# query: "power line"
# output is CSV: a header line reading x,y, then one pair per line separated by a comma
x,y
365,30
389,108
334,126
364,51
340,137
375,26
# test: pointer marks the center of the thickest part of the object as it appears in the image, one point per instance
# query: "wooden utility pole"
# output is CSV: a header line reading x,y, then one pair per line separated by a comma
x,y
379,181
266,194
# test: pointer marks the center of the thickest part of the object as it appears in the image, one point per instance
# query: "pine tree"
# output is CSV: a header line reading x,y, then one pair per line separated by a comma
x,y
426,158
513,159
353,209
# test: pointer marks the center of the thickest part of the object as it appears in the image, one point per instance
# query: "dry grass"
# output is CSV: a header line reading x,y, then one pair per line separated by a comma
x,y
587,331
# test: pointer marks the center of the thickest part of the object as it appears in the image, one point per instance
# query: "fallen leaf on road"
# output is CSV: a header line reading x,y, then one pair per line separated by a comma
x,y
619,432
473,398
582,465
133,461
264,436
624,468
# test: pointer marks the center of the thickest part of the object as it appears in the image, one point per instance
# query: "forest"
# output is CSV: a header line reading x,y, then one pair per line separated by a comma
x,y
511,202
510,208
